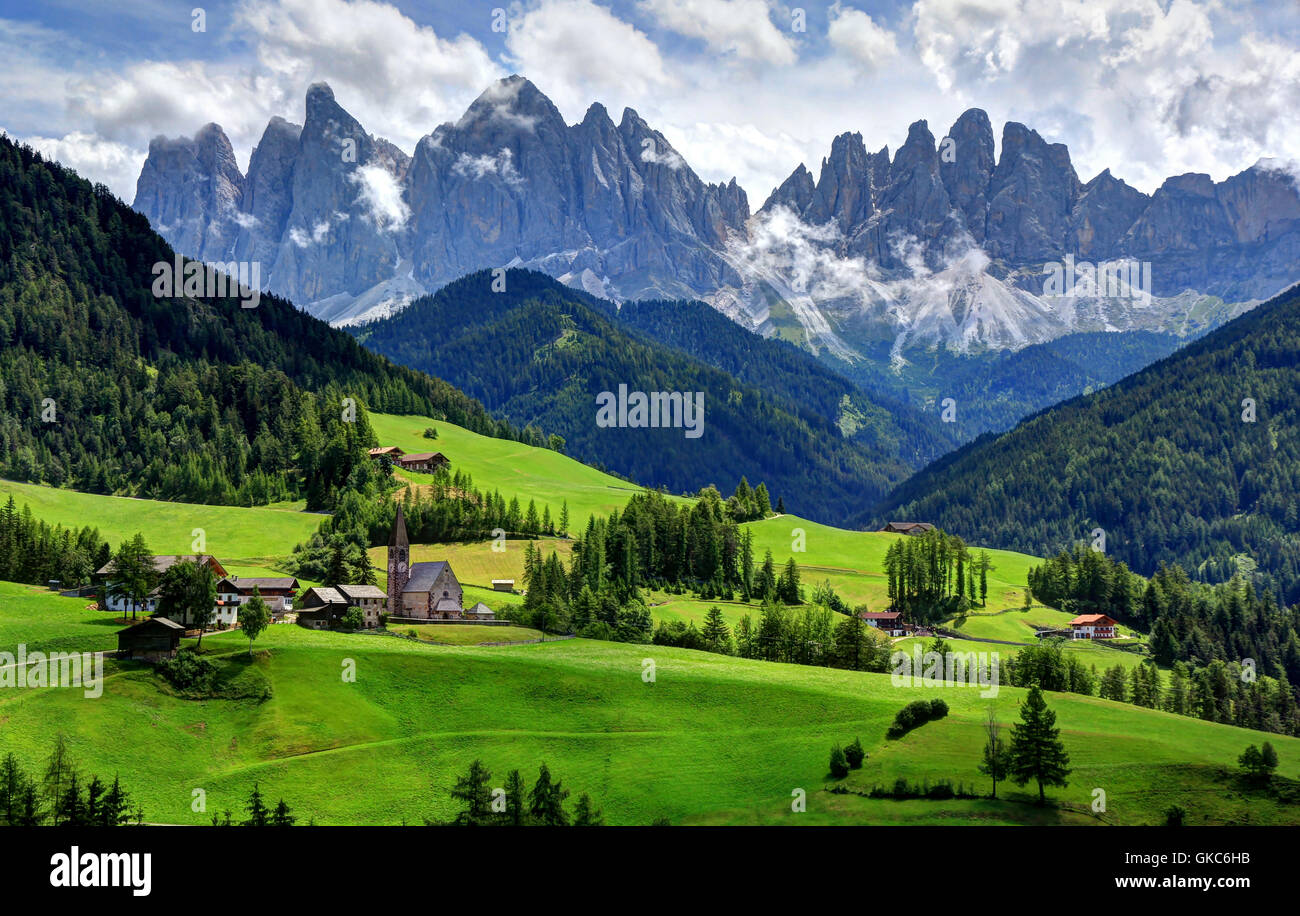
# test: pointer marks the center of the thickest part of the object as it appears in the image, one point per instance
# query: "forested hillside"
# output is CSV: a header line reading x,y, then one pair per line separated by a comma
x,y
106,387
779,367
996,389
1195,461
539,353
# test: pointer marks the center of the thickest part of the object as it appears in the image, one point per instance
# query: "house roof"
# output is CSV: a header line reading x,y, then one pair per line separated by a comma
x,y
421,456
481,608
321,595
361,591
153,623
247,584
387,450
423,575
907,526
1092,620
880,615
166,561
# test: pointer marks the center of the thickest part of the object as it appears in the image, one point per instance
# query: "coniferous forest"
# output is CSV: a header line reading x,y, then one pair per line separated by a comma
x,y
1193,461
108,389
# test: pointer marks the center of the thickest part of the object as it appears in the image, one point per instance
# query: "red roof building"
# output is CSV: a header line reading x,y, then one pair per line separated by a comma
x,y
1094,626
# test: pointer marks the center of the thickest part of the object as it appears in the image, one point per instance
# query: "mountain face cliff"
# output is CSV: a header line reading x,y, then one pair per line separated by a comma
x,y
950,242
349,225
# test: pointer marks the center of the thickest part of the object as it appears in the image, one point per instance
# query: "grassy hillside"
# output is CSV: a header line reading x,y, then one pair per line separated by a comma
x,y
854,561
711,740
517,470
232,532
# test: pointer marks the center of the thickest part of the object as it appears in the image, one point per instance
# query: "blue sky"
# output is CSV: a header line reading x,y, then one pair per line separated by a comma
x,y
1149,88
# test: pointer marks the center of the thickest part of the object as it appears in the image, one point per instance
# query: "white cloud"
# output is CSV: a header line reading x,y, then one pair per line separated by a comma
x,y
381,195
502,164
856,34
741,28
114,164
577,52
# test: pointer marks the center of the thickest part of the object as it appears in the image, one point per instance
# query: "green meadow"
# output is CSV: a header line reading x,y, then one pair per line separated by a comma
x,y
252,536
517,470
706,739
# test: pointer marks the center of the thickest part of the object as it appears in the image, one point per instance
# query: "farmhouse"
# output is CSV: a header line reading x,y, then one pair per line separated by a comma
x,y
908,527
371,599
234,591
154,640
420,591
1093,626
161,564
323,608
387,451
503,585
423,461
890,622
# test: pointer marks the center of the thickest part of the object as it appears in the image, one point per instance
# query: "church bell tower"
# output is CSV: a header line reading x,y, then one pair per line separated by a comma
x,y
399,564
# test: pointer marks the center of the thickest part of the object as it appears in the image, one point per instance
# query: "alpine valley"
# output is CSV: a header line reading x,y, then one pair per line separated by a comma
x,y
907,272
542,482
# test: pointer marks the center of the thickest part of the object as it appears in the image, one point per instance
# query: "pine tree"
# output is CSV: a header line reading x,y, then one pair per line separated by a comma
x,y
258,815
715,633
514,799
839,763
546,801
585,815
474,791
1036,749
282,817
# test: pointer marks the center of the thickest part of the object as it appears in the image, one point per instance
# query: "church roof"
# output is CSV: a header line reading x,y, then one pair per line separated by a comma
x,y
423,575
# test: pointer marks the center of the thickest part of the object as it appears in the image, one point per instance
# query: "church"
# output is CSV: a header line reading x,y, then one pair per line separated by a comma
x,y
423,591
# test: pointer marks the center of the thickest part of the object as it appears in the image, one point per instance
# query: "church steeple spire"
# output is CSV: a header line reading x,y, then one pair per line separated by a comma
x,y
399,564
398,536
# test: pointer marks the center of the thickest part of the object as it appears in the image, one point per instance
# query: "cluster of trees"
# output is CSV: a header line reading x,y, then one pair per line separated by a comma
x,y
259,814
1226,692
1205,628
934,575
812,635
1187,620
655,542
35,552
106,388
1192,461
62,795
450,508
513,805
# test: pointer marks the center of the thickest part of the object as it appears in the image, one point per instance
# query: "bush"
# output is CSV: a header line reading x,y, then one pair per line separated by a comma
x,y
914,714
839,765
940,790
188,671
855,754
430,433
354,619
1174,816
